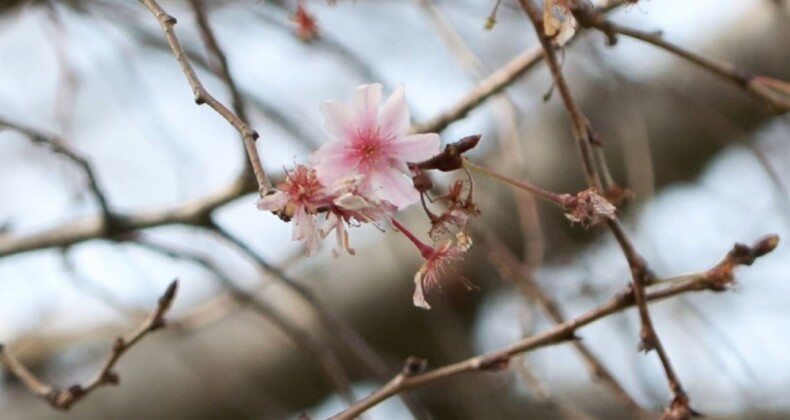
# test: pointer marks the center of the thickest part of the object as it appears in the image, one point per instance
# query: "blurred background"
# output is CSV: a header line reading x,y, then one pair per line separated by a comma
x,y
707,165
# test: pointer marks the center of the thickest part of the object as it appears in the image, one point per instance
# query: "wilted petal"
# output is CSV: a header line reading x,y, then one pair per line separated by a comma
x,y
305,229
419,295
365,106
394,118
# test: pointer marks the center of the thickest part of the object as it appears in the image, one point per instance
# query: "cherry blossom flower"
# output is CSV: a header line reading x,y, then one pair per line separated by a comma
x,y
372,141
298,199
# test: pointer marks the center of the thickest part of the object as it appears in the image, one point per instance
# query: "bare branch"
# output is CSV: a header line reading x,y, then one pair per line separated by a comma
x,y
202,96
495,83
359,348
498,359
194,212
326,357
63,399
776,93
510,268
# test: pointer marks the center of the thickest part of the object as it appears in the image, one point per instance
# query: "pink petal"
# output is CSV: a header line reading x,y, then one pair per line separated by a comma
x,y
394,186
333,160
394,119
338,121
414,148
365,106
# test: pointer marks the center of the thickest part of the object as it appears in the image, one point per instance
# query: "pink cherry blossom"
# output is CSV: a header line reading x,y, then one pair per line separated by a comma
x,y
372,141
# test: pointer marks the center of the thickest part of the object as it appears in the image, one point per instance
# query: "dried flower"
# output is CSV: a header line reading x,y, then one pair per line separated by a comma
x,y
436,260
558,21
460,208
298,198
373,143
589,208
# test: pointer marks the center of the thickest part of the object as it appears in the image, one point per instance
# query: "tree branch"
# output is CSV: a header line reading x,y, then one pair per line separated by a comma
x,y
193,212
774,92
63,399
202,96
716,279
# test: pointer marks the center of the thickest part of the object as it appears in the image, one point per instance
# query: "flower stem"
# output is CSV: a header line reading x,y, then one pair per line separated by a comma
x,y
425,250
558,199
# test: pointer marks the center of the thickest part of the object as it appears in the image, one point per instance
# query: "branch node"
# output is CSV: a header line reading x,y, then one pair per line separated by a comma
x,y
679,409
495,362
413,366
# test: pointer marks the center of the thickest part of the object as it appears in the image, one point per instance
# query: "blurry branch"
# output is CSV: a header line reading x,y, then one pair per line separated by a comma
x,y
518,273
324,355
323,43
491,85
640,274
716,279
775,92
202,96
193,212
67,84
60,146
357,345
483,90
64,398
580,126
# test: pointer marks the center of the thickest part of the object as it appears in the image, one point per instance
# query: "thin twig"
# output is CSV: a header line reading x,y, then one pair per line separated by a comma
x,y
491,85
221,68
325,356
716,279
579,123
754,85
202,96
520,274
61,147
360,349
63,399
649,340
640,275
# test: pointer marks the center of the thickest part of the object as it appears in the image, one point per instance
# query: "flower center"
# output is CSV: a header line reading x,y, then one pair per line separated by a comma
x,y
368,148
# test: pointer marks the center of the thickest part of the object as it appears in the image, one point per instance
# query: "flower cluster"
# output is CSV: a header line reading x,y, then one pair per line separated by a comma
x,y
370,169
360,176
